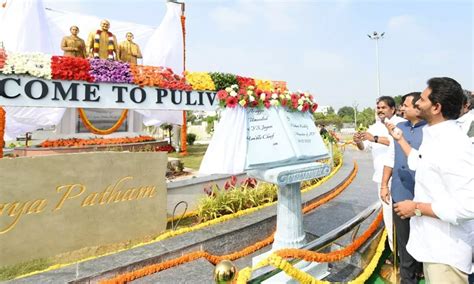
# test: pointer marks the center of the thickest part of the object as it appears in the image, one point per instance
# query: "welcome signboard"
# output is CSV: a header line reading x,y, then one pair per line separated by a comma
x,y
19,90
57,204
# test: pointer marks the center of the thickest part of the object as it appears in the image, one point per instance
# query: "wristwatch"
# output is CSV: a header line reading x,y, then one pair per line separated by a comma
x,y
376,139
417,211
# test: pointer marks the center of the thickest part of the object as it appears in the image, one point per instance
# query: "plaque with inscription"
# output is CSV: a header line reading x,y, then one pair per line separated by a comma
x,y
303,135
267,142
277,137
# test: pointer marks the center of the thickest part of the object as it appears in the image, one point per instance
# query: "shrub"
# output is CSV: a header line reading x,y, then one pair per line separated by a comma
x,y
190,138
233,198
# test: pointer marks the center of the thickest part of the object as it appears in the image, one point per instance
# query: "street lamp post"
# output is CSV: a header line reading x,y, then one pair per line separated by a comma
x,y
355,105
375,36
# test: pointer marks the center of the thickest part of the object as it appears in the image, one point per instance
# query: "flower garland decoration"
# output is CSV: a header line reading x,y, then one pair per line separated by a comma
x,y
77,142
222,219
277,258
146,75
222,80
123,278
110,45
370,268
158,77
200,80
88,124
2,130
70,68
303,277
334,255
279,85
110,71
251,97
32,63
3,57
244,82
264,85
214,259
174,81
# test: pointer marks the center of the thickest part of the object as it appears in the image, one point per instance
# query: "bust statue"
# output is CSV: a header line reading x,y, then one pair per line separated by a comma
x,y
73,45
102,43
129,51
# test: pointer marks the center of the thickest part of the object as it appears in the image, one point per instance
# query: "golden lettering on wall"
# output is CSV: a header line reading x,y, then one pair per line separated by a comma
x,y
114,193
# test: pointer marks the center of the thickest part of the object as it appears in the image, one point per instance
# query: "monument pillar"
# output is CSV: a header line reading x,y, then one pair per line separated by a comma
x,y
290,232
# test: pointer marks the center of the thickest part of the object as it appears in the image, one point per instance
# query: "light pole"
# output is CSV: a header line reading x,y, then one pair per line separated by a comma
x,y
355,105
375,36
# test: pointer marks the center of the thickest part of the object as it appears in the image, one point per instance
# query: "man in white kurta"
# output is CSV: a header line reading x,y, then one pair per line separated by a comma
x,y
444,188
376,139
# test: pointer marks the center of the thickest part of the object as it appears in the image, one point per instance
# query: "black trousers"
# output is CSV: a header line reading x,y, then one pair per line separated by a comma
x,y
409,267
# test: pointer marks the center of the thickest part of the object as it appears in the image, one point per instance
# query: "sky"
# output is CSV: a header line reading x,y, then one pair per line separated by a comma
x,y
317,46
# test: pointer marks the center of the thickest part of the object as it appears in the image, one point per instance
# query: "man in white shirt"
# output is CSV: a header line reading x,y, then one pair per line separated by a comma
x,y
444,187
376,139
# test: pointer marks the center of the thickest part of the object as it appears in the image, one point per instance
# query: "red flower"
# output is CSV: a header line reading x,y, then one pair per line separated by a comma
x,y
314,107
267,104
231,101
233,180
249,183
222,95
305,107
294,103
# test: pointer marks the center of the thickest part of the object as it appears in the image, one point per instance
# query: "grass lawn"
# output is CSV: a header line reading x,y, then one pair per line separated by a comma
x,y
194,157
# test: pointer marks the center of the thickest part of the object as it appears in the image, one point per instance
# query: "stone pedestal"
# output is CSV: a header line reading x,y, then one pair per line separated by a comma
x,y
290,232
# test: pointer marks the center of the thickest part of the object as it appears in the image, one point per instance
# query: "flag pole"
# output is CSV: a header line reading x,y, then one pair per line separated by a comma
x,y
184,131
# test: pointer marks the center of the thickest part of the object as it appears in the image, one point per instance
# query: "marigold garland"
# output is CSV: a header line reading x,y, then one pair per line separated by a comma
x,y
95,130
123,278
2,130
183,28
304,277
277,258
334,255
370,268
77,142
214,259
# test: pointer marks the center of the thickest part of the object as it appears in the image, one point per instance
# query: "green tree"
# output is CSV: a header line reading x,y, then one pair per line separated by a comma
x,y
398,100
366,117
190,117
346,111
169,127
210,123
329,119
331,110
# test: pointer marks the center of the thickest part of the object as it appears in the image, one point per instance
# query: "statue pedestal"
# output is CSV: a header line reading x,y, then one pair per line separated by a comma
x,y
289,232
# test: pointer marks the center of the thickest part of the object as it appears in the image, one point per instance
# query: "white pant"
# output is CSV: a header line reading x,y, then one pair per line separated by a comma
x,y
387,217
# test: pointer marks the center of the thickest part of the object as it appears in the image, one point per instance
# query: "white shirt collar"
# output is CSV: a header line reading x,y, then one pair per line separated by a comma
x,y
439,128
